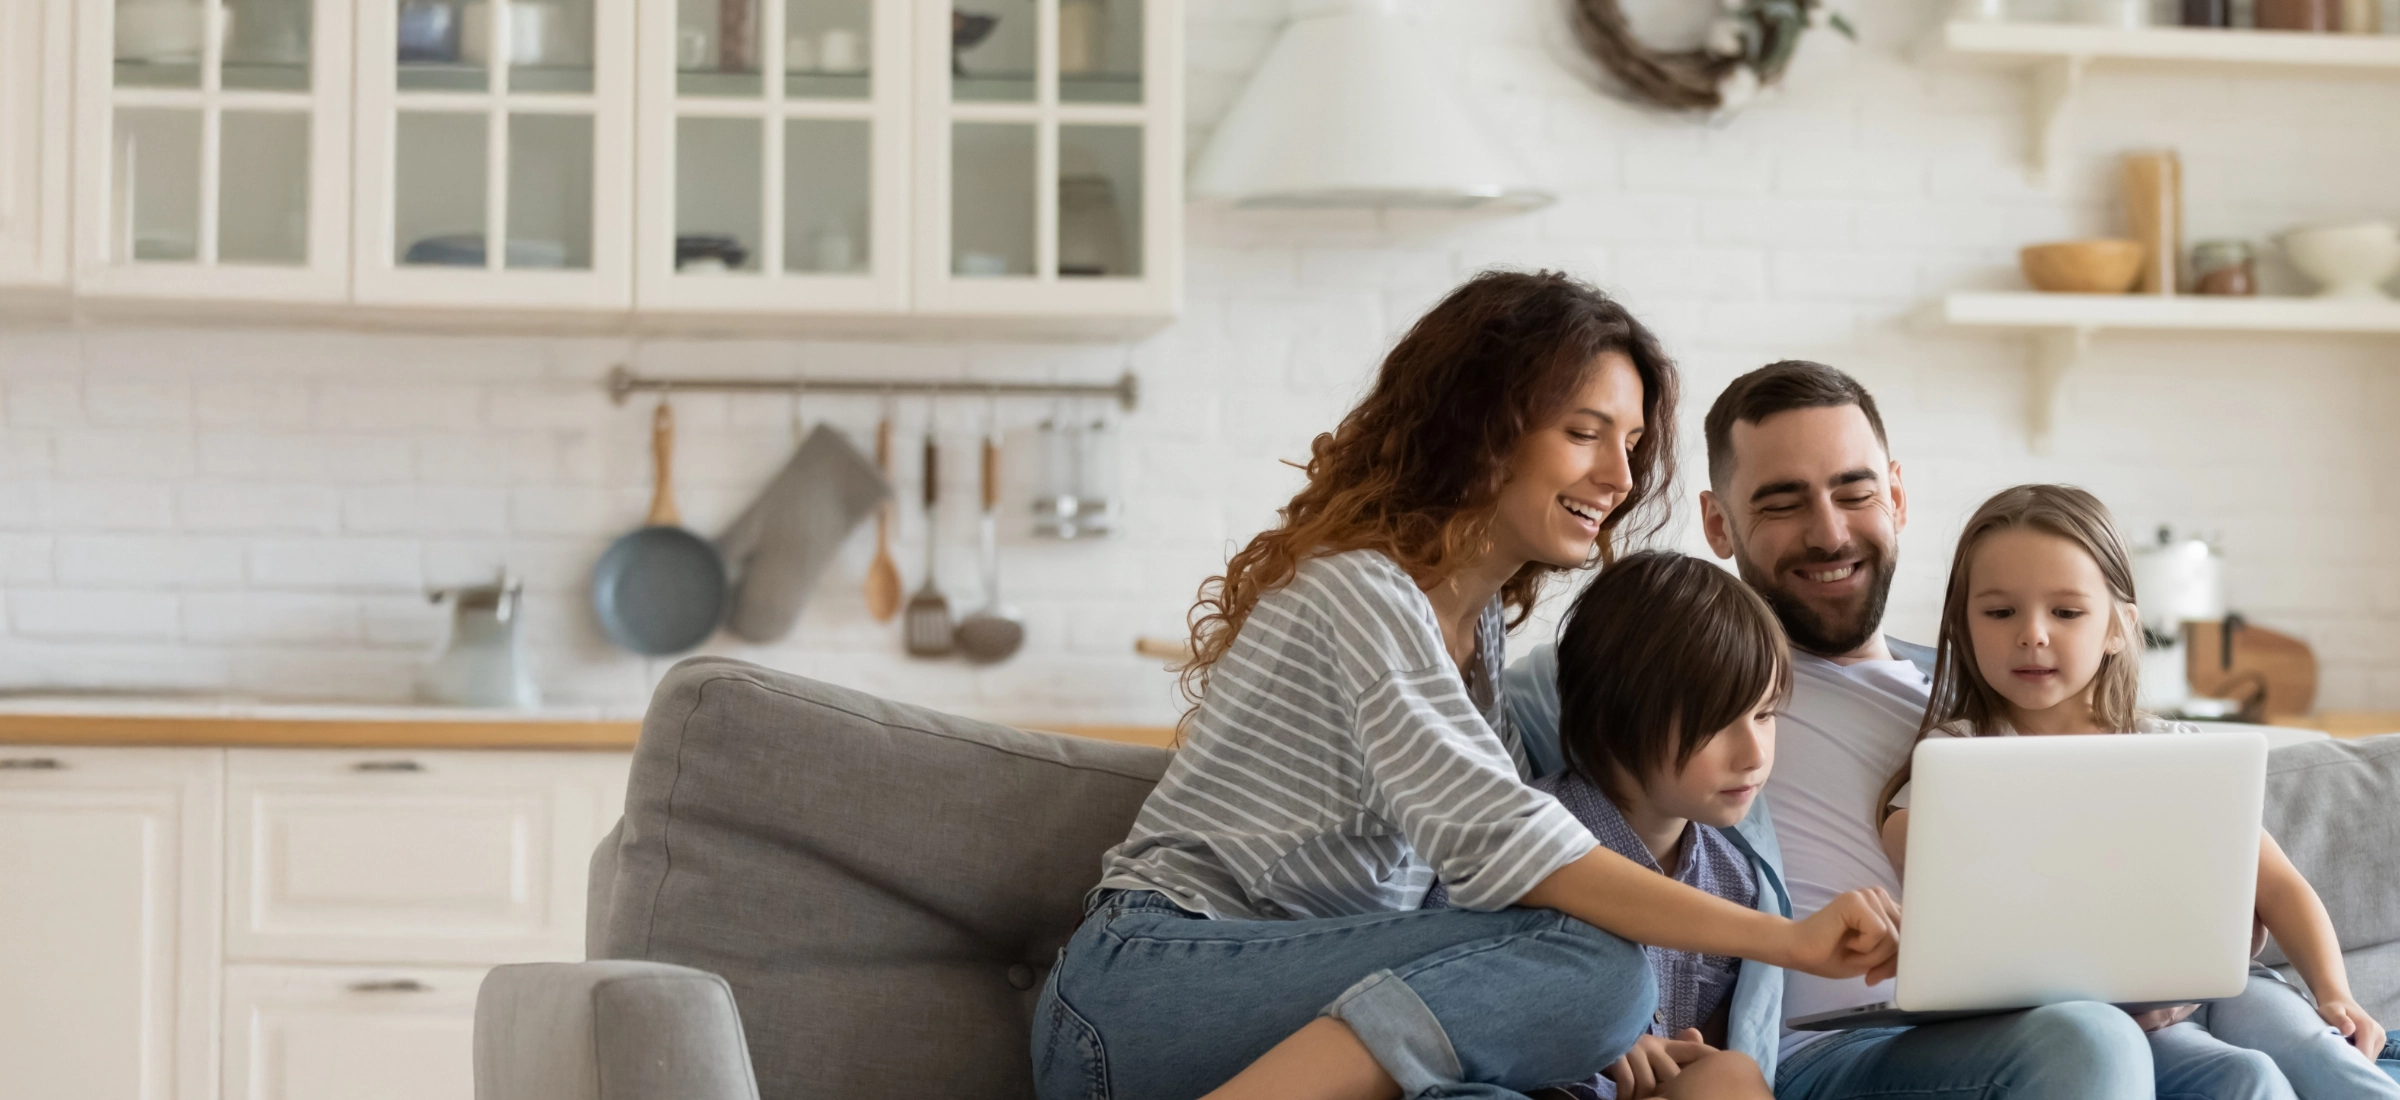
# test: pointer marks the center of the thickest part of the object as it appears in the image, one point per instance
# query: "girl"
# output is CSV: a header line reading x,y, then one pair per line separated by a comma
x,y
1668,736
1260,932
2039,636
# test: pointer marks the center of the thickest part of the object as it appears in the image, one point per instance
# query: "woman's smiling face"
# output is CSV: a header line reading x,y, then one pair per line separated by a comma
x,y
1569,474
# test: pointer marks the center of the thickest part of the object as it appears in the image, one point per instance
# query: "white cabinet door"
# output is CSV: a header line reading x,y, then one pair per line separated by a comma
x,y
213,149
350,1033
1049,166
495,154
413,857
108,922
34,125
774,168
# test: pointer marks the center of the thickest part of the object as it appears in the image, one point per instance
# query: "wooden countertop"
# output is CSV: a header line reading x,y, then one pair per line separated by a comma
x,y
203,723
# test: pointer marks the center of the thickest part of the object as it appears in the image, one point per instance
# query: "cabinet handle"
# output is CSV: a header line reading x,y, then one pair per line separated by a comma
x,y
401,985
387,766
32,764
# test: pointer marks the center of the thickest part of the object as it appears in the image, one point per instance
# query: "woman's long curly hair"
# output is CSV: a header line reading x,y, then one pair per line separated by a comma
x,y
1416,469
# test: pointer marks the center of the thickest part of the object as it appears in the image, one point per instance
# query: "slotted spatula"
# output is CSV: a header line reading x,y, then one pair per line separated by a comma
x,y
926,625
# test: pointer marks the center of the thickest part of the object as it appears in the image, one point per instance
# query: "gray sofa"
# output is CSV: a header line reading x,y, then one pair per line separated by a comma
x,y
815,893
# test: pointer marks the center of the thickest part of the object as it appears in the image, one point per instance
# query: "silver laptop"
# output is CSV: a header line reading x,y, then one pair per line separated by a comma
x,y
2047,869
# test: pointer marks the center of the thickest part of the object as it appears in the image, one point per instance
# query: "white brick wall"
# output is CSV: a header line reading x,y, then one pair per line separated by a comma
x,y
258,510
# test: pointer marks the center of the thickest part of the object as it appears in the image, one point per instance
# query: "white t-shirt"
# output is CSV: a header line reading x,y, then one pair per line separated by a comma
x,y
1846,730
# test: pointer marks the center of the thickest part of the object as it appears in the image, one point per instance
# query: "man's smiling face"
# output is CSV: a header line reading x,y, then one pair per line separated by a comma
x,y
1811,513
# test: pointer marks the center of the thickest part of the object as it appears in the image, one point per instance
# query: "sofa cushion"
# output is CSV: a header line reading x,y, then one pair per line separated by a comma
x,y
884,886
2335,807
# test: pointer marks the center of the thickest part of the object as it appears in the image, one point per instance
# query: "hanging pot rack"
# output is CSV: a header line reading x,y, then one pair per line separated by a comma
x,y
624,383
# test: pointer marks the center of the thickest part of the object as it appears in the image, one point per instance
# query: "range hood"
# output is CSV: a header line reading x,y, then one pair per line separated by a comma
x,y
1352,108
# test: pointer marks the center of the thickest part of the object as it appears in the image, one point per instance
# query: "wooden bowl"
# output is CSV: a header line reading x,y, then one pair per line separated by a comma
x,y
2083,267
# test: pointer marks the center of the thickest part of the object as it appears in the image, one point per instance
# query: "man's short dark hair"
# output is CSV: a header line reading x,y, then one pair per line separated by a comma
x,y
1780,387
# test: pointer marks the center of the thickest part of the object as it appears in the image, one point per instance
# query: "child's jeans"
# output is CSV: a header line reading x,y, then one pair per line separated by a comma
x,y
1151,1003
2266,1044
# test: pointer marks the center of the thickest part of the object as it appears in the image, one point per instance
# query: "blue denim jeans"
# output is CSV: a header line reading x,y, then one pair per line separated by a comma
x,y
1151,1003
2266,1044
2079,1051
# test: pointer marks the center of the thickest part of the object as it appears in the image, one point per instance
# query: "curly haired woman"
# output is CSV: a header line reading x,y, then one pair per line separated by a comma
x,y
1261,931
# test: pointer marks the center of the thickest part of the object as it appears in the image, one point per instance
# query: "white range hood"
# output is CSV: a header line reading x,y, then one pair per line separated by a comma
x,y
1352,109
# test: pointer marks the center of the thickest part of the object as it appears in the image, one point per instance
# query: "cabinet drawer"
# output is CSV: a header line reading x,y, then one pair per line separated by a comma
x,y
413,857
350,1033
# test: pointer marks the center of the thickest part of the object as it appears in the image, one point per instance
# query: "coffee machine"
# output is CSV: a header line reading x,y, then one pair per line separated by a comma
x,y
2177,582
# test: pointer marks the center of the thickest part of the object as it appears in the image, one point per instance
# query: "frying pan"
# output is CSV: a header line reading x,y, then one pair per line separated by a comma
x,y
660,589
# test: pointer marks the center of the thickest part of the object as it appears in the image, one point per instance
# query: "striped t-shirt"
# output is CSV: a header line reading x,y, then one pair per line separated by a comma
x,y
1339,763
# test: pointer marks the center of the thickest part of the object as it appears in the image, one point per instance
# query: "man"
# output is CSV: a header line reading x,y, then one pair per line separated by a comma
x,y
1805,498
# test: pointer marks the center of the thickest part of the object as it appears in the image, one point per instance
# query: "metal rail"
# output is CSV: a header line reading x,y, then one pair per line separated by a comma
x,y
623,383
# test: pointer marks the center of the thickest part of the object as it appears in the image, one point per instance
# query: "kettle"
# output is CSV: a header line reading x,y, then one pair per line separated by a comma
x,y
483,665
2176,582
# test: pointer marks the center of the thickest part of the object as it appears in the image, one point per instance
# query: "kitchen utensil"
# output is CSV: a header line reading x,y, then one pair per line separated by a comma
x,y
1082,33
781,544
695,49
2347,261
2272,675
2154,207
799,54
660,589
996,631
2175,583
927,626
841,50
968,29
2205,13
1980,11
483,665
2082,267
2128,14
466,250
1091,229
883,574
1096,499
694,250
737,42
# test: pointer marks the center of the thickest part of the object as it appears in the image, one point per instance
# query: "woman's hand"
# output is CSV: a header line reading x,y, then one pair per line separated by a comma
x,y
2354,1024
1654,1061
1856,934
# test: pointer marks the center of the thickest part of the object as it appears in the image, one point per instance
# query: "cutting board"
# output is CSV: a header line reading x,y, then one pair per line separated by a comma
x,y
2281,666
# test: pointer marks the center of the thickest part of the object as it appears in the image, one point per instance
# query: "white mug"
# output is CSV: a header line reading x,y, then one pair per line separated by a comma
x,y
841,51
694,49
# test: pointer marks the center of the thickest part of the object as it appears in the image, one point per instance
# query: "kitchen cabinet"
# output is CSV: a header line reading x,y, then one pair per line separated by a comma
x,y
1050,159
109,921
350,1033
212,147
488,121
34,125
278,924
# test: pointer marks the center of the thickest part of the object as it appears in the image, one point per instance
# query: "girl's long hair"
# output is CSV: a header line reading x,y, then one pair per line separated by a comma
x,y
1961,697
1416,469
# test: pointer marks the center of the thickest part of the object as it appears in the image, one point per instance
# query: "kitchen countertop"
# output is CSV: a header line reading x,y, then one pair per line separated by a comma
x,y
106,719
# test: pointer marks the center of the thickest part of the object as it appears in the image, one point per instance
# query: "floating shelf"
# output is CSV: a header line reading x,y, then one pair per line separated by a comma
x,y
2063,325
2056,55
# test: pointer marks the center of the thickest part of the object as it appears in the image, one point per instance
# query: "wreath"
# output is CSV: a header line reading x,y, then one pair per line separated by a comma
x,y
1747,48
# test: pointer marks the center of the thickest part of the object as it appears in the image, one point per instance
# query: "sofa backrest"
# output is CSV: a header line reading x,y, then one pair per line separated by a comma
x,y
2334,806
884,886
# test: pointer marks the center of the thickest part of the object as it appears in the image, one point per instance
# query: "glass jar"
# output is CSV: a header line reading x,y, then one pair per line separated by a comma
x,y
2207,13
2228,268
2320,16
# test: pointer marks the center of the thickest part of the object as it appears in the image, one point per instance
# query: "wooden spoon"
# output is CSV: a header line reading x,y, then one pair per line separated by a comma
x,y
883,574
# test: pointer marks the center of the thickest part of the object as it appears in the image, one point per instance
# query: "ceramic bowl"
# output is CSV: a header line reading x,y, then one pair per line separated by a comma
x,y
2082,267
2347,261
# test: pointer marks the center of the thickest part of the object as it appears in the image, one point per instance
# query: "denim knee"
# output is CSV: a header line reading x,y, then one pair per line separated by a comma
x,y
2096,1047
1605,967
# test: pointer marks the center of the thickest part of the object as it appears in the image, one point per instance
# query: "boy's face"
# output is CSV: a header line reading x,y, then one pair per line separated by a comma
x,y
1720,781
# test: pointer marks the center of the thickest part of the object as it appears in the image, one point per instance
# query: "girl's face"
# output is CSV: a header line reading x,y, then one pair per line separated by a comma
x,y
2040,617
1568,475
1718,784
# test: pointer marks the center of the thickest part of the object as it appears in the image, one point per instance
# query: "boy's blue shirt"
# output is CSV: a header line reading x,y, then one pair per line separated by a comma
x,y
1754,1025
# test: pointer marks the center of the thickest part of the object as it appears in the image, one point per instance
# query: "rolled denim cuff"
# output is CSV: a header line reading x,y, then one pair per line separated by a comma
x,y
1400,1031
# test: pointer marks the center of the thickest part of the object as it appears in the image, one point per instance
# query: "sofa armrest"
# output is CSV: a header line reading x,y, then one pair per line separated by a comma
x,y
609,1030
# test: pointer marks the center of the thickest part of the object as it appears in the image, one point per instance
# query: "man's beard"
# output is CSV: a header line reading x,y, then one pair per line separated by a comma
x,y
1810,630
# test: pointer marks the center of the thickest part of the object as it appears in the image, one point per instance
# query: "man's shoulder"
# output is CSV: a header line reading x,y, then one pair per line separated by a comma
x,y
1921,656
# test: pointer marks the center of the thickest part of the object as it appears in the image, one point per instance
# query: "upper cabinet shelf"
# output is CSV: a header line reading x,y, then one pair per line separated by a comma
x,y
2055,56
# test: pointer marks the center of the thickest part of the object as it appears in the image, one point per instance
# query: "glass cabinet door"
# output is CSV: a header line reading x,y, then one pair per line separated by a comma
x,y
495,137
222,134
1054,150
774,136
34,123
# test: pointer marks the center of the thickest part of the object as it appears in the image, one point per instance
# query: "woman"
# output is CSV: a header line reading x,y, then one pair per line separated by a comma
x,y
1260,931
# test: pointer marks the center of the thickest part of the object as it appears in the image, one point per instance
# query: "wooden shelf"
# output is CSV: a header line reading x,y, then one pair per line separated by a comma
x,y
2063,325
2055,57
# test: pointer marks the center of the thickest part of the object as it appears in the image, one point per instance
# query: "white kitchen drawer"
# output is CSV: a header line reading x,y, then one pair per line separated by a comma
x,y
413,857
350,1033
